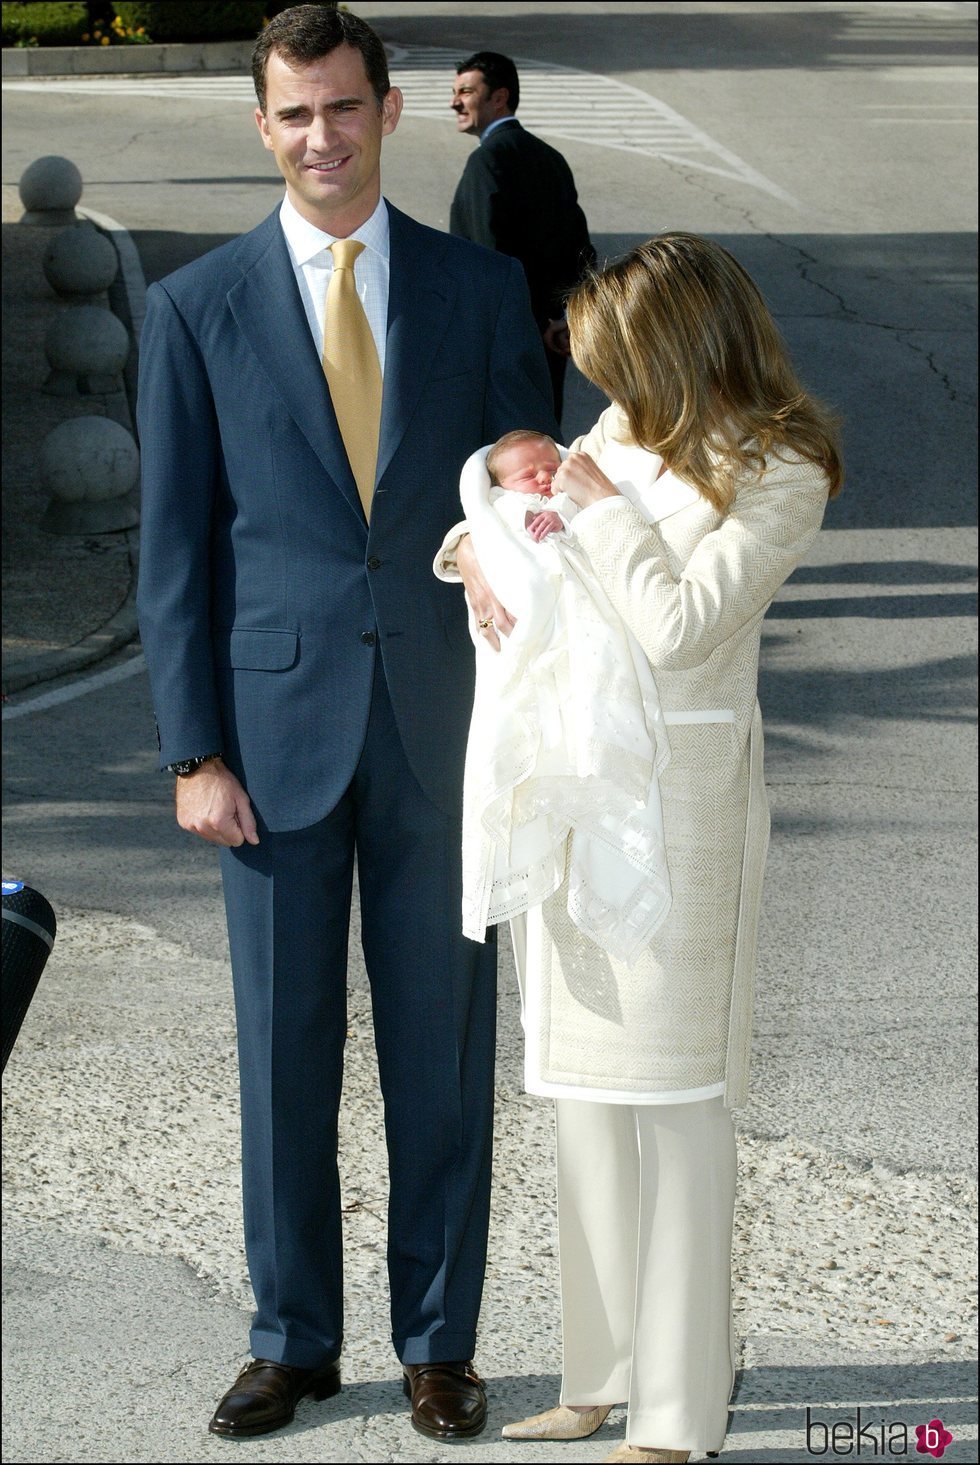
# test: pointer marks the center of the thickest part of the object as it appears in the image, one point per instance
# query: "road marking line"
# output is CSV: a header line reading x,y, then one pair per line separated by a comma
x,y
77,689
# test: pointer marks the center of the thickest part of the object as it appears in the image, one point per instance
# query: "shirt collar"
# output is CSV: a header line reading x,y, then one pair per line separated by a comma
x,y
498,122
306,241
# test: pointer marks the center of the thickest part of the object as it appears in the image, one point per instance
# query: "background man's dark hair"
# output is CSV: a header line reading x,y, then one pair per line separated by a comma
x,y
306,33
497,71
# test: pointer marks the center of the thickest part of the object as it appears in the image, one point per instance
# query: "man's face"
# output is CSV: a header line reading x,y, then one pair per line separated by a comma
x,y
323,125
474,103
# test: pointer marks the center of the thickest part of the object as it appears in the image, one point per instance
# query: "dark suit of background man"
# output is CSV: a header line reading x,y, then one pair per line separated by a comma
x,y
298,631
517,195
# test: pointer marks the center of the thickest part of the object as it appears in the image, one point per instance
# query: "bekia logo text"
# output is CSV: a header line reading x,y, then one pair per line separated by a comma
x,y
854,1437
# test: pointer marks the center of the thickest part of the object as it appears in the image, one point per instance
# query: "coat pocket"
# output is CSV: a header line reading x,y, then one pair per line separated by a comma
x,y
256,650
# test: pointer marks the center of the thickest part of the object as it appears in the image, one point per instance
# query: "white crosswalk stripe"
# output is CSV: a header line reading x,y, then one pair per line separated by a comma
x,y
556,101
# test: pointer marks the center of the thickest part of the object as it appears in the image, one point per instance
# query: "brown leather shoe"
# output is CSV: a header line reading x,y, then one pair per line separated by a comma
x,y
264,1396
449,1400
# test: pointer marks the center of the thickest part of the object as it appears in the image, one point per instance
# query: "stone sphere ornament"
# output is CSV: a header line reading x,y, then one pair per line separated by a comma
x,y
80,262
90,465
86,348
49,188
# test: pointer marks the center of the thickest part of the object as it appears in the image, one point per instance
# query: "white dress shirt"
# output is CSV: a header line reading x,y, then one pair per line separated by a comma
x,y
309,250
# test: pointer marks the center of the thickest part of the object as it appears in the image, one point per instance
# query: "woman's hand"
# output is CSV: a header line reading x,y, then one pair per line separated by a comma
x,y
583,481
493,620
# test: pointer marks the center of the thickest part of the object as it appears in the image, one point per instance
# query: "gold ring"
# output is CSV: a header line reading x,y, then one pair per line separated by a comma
x,y
485,625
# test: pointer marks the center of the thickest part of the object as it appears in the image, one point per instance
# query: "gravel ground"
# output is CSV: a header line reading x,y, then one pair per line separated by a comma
x,y
121,1123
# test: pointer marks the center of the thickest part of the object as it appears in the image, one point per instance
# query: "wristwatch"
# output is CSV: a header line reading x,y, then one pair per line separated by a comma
x,y
187,766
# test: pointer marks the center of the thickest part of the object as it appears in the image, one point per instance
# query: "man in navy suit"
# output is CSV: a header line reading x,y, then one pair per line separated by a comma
x,y
312,684
517,195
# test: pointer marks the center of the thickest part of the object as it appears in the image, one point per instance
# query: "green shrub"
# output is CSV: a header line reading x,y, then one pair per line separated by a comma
x,y
175,20
44,25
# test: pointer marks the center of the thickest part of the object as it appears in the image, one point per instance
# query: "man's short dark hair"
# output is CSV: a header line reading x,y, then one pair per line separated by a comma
x,y
498,71
306,33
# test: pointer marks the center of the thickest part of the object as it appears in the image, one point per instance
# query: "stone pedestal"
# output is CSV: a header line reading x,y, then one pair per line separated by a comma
x,y
80,263
90,465
86,348
49,190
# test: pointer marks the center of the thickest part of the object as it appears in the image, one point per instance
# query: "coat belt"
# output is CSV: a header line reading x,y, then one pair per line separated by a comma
x,y
700,714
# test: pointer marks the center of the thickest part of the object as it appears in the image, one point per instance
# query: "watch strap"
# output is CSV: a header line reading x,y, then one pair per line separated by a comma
x,y
187,766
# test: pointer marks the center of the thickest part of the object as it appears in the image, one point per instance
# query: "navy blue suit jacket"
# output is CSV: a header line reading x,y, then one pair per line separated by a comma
x,y
517,195
261,584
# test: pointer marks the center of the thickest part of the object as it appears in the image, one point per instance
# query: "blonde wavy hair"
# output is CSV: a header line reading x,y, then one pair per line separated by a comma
x,y
677,335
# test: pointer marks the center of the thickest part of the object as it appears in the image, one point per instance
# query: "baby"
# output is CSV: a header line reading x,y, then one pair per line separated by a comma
x,y
525,462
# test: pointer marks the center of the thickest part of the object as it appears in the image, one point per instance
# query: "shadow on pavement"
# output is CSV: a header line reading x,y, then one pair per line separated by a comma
x,y
825,37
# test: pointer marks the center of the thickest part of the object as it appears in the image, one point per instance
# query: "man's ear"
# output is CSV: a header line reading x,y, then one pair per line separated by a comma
x,y
263,127
391,110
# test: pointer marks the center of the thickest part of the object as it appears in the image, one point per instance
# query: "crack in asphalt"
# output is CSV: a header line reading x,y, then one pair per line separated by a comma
x,y
804,264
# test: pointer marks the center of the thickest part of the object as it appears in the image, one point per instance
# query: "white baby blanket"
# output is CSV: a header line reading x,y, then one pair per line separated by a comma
x,y
566,744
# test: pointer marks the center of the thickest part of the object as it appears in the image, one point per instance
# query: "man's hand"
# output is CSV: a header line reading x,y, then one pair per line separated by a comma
x,y
556,338
484,604
213,804
584,482
539,526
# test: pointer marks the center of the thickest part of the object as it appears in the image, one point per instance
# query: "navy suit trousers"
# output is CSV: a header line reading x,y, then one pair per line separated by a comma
x,y
433,998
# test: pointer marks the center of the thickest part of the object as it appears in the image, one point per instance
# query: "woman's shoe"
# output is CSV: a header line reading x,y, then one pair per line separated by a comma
x,y
653,1457
558,1424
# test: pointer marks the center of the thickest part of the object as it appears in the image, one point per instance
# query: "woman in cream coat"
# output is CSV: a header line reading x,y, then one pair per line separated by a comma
x,y
645,1062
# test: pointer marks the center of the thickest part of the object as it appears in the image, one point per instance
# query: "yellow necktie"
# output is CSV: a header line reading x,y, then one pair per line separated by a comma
x,y
353,372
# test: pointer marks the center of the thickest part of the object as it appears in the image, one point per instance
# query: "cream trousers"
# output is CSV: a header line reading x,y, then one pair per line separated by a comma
x,y
646,1196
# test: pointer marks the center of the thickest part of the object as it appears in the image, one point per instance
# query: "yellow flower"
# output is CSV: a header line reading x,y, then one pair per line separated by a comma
x,y
104,41
86,36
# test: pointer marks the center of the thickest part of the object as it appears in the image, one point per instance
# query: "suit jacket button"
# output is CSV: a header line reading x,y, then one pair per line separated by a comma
x,y
374,563
368,638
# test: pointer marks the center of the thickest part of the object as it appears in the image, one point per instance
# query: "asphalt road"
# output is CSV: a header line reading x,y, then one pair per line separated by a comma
x,y
832,148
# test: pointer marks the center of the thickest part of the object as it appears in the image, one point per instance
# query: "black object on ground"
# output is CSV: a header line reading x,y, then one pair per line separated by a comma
x,y
29,927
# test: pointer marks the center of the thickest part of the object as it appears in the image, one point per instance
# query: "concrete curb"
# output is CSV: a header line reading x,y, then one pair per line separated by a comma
x,y
127,60
117,632
122,626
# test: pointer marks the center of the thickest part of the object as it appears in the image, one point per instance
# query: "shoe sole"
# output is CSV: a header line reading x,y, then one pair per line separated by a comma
x,y
449,1435
248,1431
544,1439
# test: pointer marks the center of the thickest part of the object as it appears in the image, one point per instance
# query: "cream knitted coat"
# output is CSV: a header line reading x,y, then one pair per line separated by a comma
x,y
693,587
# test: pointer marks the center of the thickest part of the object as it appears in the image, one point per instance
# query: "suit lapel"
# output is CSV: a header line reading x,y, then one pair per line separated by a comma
x,y
267,307
420,301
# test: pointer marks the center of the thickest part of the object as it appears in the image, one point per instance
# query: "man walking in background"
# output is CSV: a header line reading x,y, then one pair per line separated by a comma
x,y
517,195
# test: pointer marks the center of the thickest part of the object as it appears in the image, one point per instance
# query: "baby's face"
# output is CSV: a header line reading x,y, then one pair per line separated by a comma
x,y
528,467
